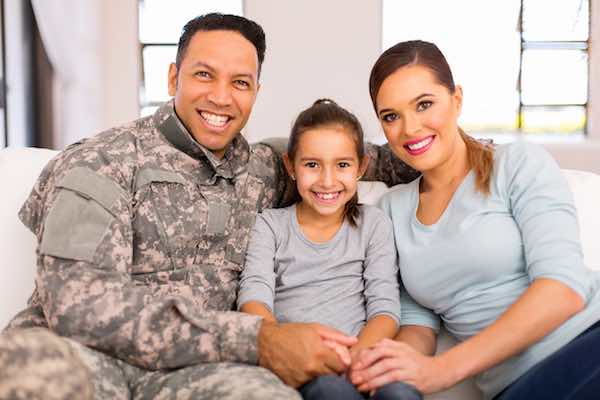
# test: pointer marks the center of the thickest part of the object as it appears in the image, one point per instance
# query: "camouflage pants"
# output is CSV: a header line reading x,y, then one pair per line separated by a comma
x,y
38,364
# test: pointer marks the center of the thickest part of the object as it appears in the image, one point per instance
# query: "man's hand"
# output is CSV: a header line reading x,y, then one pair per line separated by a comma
x,y
298,353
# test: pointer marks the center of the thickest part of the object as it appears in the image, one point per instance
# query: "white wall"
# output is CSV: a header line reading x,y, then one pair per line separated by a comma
x,y
314,49
122,69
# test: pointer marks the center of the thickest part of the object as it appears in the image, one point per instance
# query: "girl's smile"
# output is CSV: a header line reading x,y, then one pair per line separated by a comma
x,y
326,168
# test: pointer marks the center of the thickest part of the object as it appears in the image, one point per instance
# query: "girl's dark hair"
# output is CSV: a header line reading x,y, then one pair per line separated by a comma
x,y
418,52
326,113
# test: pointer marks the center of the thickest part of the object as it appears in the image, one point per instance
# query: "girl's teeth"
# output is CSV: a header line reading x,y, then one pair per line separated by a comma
x,y
327,196
421,144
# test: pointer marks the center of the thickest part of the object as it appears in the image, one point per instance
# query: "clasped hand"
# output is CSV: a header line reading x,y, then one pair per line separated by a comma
x,y
390,361
298,353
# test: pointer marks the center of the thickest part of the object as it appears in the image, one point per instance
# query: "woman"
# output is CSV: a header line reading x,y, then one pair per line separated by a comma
x,y
488,243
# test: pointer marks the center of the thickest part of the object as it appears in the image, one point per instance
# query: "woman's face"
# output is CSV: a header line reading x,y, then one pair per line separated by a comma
x,y
419,117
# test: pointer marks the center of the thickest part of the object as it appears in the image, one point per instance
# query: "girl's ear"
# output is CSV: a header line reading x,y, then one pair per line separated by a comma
x,y
289,166
364,164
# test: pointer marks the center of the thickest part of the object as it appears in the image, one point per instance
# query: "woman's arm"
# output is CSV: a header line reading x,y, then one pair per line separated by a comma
x,y
542,207
543,307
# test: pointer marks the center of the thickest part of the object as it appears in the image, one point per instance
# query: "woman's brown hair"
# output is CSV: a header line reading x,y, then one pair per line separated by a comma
x,y
418,52
326,113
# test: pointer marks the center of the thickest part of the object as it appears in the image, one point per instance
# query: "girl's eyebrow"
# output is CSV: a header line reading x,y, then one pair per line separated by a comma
x,y
343,158
416,99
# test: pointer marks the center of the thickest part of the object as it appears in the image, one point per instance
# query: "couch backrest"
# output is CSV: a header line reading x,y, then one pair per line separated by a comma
x,y
20,167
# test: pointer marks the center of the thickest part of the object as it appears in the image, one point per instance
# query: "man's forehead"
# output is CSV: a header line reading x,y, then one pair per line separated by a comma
x,y
226,51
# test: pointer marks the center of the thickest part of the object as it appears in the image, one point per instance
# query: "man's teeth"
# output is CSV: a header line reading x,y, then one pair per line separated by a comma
x,y
327,196
421,144
214,119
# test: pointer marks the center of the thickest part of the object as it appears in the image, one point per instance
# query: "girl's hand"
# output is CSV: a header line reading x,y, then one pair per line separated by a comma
x,y
342,351
390,361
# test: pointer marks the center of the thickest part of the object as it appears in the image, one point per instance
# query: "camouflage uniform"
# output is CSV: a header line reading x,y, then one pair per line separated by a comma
x,y
141,238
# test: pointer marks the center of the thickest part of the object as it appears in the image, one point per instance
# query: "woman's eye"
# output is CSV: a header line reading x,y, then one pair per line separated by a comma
x,y
424,105
389,117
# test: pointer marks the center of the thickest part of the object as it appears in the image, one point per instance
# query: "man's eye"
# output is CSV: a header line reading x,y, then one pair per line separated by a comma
x,y
389,117
202,74
242,84
424,105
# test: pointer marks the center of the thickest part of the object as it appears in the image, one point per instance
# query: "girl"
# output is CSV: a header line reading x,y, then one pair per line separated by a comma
x,y
326,259
488,242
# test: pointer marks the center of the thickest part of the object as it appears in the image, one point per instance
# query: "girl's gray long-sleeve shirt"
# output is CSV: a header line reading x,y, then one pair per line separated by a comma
x,y
341,283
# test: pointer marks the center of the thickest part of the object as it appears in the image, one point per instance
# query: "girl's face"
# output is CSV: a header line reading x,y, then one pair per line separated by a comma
x,y
326,168
419,117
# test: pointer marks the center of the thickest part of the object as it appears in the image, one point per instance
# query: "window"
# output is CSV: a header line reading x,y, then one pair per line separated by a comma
x,y
160,24
523,64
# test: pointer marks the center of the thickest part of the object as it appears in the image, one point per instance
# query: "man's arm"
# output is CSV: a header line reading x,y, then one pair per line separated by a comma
x,y
82,220
384,166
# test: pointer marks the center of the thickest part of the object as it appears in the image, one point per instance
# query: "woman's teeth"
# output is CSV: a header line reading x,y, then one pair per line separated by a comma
x,y
214,119
421,144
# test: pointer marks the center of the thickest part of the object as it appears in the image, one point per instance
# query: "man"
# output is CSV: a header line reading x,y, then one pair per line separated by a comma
x,y
142,232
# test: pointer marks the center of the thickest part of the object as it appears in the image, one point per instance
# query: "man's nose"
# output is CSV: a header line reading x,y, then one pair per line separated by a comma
x,y
220,94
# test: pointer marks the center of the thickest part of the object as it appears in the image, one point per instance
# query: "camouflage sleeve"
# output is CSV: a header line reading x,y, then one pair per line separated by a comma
x,y
271,151
83,222
384,166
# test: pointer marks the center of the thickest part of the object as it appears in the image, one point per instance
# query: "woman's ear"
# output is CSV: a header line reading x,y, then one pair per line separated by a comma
x,y
364,164
458,98
289,166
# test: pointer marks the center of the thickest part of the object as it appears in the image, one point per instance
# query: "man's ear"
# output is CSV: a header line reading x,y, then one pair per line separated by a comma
x,y
289,166
172,79
364,164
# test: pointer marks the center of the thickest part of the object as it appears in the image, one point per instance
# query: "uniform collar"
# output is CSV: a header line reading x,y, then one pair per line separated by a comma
x,y
236,156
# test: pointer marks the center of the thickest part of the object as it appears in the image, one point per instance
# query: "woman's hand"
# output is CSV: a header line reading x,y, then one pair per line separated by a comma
x,y
389,361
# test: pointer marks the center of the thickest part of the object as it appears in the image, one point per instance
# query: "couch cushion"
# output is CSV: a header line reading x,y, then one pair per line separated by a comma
x,y
586,191
19,169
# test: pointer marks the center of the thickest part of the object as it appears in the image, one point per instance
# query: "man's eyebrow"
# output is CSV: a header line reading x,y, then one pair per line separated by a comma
x,y
419,97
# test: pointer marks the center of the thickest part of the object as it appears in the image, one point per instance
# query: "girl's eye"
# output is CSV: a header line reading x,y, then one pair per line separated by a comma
x,y
311,164
389,117
242,84
343,164
424,105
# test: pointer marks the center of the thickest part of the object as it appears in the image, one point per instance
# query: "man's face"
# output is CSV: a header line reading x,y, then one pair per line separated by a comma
x,y
215,87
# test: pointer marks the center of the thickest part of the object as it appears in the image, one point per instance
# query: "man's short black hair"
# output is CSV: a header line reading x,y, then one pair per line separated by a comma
x,y
223,22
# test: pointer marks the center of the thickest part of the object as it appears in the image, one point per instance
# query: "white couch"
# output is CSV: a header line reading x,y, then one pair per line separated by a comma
x,y
20,167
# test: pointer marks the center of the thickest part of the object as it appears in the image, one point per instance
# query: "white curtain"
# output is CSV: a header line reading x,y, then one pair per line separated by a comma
x,y
72,34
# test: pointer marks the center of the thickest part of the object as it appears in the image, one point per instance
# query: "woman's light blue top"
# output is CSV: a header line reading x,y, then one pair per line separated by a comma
x,y
470,266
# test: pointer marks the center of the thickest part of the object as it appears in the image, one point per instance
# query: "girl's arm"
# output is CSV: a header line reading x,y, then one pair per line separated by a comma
x,y
421,338
258,308
377,328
